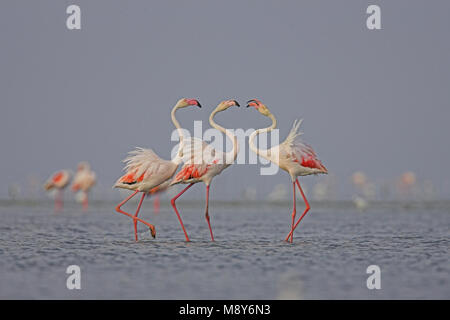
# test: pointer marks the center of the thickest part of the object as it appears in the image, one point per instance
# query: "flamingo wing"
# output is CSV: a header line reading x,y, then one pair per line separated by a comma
x,y
198,157
299,151
58,179
190,172
83,180
142,164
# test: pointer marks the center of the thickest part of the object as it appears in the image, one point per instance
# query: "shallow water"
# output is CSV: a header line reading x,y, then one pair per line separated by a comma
x,y
249,260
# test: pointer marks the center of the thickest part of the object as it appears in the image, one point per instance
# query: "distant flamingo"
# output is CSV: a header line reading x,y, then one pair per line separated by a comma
x,y
155,192
204,163
59,181
293,156
145,170
83,181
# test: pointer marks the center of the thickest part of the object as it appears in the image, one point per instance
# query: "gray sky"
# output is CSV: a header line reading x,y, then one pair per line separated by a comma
x,y
376,101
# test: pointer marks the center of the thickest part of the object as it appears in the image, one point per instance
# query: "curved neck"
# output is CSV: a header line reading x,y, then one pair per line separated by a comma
x,y
175,122
255,149
231,155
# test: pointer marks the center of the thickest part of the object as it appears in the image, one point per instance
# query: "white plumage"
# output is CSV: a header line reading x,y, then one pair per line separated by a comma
x,y
145,170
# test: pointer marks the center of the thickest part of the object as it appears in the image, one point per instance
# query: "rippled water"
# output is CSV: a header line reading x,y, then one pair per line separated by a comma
x,y
249,260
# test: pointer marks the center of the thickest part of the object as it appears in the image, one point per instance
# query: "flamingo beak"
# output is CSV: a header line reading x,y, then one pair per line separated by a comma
x,y
236,103
252,103
193,102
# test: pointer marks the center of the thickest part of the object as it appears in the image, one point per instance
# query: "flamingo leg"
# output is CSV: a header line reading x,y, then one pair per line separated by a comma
x,y
156,204
118,209
85,201
207,214
56,203
294,212
176,210
59,201
136,214
304,213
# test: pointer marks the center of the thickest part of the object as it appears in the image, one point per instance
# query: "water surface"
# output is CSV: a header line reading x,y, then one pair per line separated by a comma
x,y
249,259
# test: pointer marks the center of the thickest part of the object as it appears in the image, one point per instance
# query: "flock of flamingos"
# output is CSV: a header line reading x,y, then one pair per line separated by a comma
x,y
147,173
83,181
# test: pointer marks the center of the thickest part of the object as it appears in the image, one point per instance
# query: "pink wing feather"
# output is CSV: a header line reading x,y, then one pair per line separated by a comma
x,y
198,157
141,164
300,151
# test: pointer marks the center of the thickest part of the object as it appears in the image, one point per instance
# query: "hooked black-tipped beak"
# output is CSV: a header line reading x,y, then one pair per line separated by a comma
x,y
236,103
198,104
249,101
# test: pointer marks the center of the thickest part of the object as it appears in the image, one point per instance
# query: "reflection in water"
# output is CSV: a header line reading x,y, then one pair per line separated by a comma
x,y
360,203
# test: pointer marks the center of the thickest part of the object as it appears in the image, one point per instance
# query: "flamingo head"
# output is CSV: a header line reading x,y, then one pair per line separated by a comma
x,y
224,105
83,165
258,106
185,102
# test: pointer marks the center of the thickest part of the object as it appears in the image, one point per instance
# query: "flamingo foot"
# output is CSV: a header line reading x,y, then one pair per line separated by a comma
x,y
153,232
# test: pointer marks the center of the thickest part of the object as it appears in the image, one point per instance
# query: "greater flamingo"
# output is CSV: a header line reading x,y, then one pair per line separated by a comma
x,y
145,170
58,181
293,156
203,163
83,181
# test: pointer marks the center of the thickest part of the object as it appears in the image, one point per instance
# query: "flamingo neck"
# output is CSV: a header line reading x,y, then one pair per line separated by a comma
x,y
178,158
230,156
262,152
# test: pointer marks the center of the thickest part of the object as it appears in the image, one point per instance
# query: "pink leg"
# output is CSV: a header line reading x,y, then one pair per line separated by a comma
x,y
152,227
136,214
59,201
55,209
206,214
85,202
156,204
294,212
304,213
176,211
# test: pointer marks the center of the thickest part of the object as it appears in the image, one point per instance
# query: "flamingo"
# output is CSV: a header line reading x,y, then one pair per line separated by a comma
x,y
293,156
58,181
145,170
212,163
83,181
